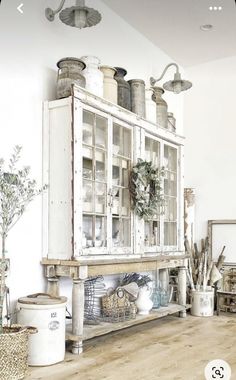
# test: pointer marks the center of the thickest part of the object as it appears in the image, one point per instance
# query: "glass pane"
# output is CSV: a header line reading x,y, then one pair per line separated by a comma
x,y
170,209
88,123
120,232
126,142
121,141
116,139
170,233
116,172
87,196
152,151
170,158
152,233
101,132
87,168
125,203
100,232
125,227
115,232
100,198
115,200
100,173
125,173
88,231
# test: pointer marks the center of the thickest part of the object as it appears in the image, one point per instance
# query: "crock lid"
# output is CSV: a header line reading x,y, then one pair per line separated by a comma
x,y
42,299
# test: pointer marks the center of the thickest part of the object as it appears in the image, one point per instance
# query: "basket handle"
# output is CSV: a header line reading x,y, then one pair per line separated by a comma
x,y
31,329
36,295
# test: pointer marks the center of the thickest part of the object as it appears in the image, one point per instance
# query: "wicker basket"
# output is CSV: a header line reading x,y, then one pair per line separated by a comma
x,y
14,352
117,307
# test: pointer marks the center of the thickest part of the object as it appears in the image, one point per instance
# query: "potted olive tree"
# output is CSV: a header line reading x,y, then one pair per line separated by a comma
x,y
17,190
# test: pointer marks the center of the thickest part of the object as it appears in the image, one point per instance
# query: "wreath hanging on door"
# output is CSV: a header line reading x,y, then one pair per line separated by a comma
x,y
145,189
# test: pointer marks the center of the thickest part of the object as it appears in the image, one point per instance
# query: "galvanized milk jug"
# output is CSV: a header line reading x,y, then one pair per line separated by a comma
x,y
69,72
161,106
123,88
137,88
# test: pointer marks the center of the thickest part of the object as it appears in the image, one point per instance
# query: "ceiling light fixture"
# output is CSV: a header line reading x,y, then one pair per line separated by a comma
x,y
78,16
215,8
177,84
206,27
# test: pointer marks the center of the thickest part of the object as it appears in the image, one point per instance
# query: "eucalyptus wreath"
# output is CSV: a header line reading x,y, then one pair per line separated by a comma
x,y
145,189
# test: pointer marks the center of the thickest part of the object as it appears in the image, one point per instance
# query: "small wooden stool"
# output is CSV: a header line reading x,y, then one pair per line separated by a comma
x,y
229,297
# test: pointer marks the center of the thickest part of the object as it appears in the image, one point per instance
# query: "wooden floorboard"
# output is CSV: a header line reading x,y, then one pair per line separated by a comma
x,y
170,348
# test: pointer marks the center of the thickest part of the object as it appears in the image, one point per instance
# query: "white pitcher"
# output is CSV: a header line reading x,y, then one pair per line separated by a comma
x,y
144,303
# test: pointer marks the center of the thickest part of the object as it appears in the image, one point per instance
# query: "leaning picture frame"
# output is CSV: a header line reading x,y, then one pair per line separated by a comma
x,y
222,232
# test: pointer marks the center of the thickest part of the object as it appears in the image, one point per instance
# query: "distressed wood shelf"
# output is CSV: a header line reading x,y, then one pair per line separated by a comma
x,y
92,331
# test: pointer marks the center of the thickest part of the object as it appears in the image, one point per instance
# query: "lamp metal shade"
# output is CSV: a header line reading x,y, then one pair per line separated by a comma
x,y
68,16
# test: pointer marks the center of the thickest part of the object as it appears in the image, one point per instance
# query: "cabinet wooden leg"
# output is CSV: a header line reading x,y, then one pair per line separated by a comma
x,y
53,286
78,314
182,288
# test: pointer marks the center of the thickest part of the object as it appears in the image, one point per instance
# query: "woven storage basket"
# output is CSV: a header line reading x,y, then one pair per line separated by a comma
x,y
14,353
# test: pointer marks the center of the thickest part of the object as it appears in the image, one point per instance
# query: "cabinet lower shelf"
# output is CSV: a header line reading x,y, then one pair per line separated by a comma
x,y
91,331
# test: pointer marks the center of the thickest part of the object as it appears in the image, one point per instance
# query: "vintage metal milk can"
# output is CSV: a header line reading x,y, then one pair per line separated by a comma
x,y
109,83
137,89
150,106
161,109
92,74
171,122
69,72
123,88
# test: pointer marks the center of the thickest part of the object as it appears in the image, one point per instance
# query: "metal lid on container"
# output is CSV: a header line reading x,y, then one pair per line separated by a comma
x,y
42,299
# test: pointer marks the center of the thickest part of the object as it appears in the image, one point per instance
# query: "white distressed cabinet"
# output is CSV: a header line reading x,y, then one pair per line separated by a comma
x,y
89,228
90,146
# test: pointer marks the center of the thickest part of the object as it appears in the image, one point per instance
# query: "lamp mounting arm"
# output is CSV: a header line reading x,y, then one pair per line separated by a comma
x,y
153,80
50,13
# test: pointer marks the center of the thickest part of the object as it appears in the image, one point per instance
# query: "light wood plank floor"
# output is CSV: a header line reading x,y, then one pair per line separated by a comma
x,y
168,349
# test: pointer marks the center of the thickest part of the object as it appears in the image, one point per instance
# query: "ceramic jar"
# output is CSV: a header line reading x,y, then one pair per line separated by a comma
x,y
123,88
150,106
161,107
93,76
171,122
137,90
69,72
144,303
109,83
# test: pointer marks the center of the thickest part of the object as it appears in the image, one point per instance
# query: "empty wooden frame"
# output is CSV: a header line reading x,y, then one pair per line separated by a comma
x,y
222,232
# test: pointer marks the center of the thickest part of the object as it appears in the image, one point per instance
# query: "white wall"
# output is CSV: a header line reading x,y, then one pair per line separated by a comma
x,y
30,46
210,130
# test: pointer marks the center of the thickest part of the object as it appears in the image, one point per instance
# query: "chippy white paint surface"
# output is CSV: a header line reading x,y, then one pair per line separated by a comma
x,y
30,49
62,128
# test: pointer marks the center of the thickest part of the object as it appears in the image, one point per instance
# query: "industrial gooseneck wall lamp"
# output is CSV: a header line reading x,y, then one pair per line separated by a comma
x,y
78,16
177,84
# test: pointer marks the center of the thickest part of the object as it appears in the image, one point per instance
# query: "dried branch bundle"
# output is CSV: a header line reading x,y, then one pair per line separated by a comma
x,y
201,269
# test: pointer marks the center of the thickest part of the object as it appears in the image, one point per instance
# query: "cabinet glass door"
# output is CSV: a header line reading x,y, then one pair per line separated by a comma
x,y
152,226
120,206
94,169
170,192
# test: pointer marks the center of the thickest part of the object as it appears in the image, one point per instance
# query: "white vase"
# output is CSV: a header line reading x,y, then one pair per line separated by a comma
x,y
93,76
144,303
110,87
151,108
